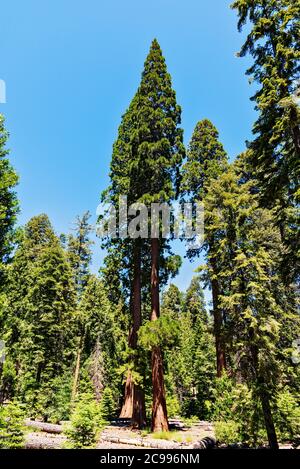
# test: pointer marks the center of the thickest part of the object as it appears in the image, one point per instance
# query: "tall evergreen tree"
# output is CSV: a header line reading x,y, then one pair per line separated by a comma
x,y
125,254
273,42
40,314
194,300
146,154
8,199
206,160
79,253
160,152
253,301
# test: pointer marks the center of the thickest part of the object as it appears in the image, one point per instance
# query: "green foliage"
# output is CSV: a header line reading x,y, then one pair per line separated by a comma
x,y
38,328
52,402
237,414
162,435
86,421
79,252
273,43
11,426
190,362
8,200
163,332
287,415
173,405
108,404
206,160
227,432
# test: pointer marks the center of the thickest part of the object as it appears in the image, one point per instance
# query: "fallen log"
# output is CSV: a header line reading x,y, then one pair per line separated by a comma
x,y
44,427
38,440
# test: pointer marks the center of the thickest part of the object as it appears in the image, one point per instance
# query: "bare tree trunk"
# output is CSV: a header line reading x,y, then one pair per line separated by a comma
x,y
134,399
97,371
269,423
159,406
77,370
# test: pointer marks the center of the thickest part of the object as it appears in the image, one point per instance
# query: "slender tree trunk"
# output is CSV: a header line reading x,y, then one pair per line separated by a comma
x,y
134,398
159,406
77,370
218,322
97,371
269,423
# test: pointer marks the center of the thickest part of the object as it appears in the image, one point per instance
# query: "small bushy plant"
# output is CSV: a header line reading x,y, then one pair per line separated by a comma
x,y
86,421
287,415
227,432
11,426
107,404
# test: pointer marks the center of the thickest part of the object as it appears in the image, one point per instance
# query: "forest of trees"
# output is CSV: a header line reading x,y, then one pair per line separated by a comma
x,y
128,339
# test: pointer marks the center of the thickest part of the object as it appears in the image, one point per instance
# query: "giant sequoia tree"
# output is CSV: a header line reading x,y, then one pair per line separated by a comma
x,y
124,255
160,152
146,158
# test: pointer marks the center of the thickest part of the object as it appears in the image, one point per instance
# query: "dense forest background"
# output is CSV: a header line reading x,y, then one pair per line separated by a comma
x,y
128,342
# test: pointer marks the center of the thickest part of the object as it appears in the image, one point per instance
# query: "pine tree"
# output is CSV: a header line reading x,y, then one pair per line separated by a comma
x,y
273,42
79,253
206,160
8,200
172,300
194,301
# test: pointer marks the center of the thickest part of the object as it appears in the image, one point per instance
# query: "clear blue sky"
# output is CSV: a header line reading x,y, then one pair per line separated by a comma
x,y
71,68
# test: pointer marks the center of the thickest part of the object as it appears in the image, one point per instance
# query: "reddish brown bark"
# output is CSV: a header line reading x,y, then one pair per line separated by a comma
x,y
127,407
159,406
134,399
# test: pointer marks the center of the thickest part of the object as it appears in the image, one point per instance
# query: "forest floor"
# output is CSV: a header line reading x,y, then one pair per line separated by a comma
x,y
121,437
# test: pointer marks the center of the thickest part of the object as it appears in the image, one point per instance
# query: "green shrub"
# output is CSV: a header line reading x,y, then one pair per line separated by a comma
x,y
235,403
11,426
227,432
86,421
108,404
173,405
287,415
